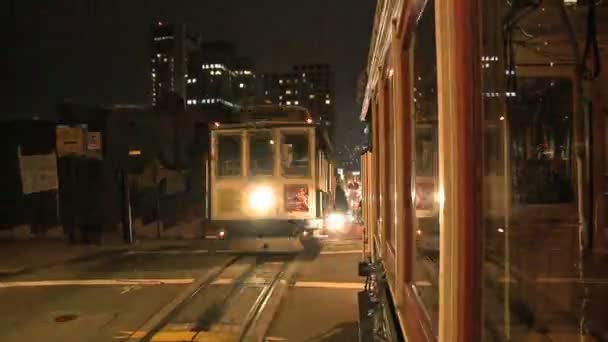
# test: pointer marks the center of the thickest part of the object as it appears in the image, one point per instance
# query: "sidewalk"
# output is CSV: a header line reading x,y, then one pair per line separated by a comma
x,y
19,256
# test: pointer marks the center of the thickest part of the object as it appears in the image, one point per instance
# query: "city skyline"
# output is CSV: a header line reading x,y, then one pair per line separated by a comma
x,y
93,52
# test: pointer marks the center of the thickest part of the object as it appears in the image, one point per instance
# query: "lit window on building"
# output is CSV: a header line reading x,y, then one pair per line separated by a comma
x,y
266,92
327,101
288,92
153,75
194,101
311,96
158,55
280,81
241,85
303,74
280,97
289,103
296,102
218,72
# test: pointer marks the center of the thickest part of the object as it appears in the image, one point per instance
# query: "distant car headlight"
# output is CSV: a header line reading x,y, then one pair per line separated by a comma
x,y
314,223
261,199
336,221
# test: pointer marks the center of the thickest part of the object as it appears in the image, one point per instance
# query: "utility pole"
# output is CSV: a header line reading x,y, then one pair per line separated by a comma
x,y
127,221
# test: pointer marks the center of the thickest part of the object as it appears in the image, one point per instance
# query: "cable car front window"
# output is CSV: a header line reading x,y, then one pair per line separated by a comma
x,y
229,155
295,160
261,147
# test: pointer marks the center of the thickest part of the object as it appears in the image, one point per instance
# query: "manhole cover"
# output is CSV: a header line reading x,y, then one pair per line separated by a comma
x,y
65,318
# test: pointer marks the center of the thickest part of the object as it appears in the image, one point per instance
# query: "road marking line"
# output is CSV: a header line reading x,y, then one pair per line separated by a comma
x,y
353,251
223,281
95,282
273,339
169,252
559,280
566,280
328,285
205,336
423,283
222,328
129,288
172,327
126,334
173,336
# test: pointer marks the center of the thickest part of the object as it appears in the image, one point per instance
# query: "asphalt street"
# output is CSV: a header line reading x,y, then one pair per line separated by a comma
x,y
208,293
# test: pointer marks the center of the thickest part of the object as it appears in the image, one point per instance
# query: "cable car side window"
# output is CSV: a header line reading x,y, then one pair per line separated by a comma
x,y
541,128
229,155
295,159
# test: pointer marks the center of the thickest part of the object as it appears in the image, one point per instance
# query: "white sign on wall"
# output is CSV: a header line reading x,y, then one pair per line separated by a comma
x,y
38,172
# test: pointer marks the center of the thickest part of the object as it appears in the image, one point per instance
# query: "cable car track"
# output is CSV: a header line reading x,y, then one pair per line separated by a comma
x,y
234,316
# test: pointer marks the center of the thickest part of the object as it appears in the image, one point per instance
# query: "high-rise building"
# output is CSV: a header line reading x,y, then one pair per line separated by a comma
x,y
317,90
219,78
172,46
310,86
245,81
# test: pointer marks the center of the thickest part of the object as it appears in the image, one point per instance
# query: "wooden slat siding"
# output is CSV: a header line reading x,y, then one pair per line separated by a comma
x,y
459,90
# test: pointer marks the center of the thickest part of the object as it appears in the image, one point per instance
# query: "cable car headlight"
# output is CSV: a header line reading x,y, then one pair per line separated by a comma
x,y
336,221
261,199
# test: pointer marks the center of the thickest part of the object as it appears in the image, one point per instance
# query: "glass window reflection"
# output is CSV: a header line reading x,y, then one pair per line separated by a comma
x,y
424,82
261,158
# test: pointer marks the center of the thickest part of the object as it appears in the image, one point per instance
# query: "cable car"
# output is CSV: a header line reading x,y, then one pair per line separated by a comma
x,y
271,174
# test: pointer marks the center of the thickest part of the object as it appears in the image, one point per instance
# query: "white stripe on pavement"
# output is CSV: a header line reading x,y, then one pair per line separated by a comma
x,y
423,283
352,251
223,281
566,280
172,251
329,285
95,282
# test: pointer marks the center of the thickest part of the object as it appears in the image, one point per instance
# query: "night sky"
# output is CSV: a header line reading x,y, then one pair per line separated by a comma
x,y
97,51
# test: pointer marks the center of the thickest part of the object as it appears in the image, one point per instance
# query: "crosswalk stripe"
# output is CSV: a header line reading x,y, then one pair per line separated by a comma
x,y
173,336
222,281
329,285
95,282
353,251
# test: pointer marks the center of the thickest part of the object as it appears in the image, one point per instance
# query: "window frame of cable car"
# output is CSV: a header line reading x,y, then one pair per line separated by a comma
x,y
549,210
304,131
216,140
272,142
